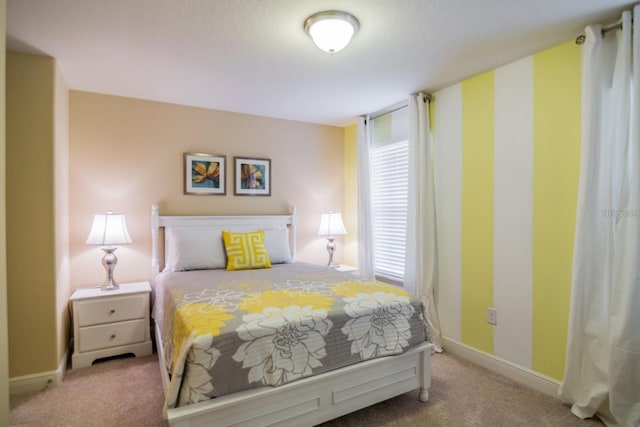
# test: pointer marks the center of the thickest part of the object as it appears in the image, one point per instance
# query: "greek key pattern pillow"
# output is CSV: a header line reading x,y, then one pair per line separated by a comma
x,y
245,250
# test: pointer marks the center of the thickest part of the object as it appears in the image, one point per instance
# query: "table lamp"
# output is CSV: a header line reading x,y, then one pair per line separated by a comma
x,y
331,225
109,229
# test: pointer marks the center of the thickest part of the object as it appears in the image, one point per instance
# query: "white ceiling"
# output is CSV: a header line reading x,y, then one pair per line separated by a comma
x,y
252,56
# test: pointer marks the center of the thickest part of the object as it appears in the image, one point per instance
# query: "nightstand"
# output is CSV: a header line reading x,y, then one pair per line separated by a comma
x,y
110,323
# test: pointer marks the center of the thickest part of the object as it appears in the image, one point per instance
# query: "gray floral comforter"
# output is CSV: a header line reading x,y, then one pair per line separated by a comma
x,y
226,331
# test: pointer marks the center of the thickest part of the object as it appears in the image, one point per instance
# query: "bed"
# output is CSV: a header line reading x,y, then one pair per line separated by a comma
x,y
247,339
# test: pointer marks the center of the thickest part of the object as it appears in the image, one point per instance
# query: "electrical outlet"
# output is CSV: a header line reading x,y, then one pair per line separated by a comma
x,y
491,316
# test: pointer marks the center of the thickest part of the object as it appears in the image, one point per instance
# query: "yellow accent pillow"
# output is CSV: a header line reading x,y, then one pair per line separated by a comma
x,y
245,250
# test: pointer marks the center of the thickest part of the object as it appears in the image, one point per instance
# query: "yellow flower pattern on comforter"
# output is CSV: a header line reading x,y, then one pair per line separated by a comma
x,y
222,335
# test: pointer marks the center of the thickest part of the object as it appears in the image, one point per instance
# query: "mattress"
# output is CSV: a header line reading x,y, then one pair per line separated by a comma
x,y
227,331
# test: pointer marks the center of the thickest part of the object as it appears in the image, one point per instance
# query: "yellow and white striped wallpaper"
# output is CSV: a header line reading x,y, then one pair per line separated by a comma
x,y
507,164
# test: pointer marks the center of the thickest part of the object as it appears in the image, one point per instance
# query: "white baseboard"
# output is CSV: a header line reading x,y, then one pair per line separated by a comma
x,y
519,374
40,381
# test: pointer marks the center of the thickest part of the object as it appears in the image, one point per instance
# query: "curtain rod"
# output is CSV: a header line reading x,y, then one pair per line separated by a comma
x,y
395,107
605,29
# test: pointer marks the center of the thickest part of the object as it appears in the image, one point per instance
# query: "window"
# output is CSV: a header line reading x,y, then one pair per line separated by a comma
x,y
389,153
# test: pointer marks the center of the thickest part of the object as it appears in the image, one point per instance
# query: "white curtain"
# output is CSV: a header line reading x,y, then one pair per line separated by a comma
x,y
602,371
365,229
420,261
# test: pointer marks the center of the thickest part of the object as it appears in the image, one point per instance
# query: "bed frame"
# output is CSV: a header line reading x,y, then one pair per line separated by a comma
x,y
308,401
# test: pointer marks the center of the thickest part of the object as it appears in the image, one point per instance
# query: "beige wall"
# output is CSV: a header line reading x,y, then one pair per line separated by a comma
x,y
4,354
35,129
126,154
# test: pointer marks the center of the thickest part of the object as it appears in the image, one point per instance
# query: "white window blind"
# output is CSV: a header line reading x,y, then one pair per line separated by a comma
x,y
389,191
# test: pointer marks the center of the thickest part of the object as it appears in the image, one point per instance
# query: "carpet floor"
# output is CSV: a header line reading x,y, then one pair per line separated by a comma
x,y
128,392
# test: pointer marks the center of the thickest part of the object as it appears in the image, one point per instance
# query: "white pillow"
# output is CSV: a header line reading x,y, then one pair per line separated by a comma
x,y
194,248
276,242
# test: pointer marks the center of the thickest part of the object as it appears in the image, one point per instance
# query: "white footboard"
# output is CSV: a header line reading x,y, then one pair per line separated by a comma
x,y
315,399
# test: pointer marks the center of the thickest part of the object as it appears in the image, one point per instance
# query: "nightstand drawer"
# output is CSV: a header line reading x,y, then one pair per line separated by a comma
x,y
111,335
108,310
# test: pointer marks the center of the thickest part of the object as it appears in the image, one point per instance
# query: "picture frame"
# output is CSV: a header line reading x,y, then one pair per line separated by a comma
x,y
205,174
252,176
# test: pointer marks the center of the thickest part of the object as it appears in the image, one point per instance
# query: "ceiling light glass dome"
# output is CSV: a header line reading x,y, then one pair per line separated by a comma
x,y
332,30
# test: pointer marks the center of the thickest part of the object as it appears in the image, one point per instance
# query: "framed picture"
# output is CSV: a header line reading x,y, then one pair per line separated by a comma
x,y
252,176
204,174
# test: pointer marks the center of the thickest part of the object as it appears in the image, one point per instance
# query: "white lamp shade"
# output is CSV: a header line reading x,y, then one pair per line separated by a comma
x,y
331,224
331,31
109,229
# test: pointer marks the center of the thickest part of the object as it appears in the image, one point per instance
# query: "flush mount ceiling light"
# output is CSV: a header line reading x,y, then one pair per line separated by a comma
x,y
332,30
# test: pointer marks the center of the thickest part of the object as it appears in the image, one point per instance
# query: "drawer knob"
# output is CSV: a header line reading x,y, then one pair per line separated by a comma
x,y
113,336
112,311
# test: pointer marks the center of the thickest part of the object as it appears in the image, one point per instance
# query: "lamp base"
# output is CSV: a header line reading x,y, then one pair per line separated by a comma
x,y
109,285
109,260
331,248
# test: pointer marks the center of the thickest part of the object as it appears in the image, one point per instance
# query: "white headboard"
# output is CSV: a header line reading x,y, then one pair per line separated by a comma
x,y
232,222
